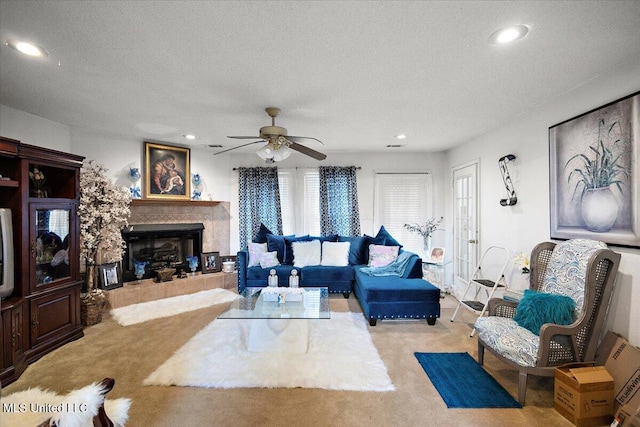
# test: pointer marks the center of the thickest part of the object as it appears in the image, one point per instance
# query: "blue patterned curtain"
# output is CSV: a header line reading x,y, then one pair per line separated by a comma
x,y
339,213
259,198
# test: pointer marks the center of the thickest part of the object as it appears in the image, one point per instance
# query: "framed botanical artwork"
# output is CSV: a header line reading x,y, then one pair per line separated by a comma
x,y
594,175
167,172
110,276
211,262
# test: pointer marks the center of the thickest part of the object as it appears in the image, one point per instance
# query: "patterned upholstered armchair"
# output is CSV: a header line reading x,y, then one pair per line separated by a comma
x,y
581,269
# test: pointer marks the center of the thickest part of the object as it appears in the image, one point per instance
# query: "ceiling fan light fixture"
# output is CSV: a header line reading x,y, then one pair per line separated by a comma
x,y
282,153
266,152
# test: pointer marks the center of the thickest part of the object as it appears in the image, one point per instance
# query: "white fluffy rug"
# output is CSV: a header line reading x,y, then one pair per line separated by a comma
x,y
340,356
138,313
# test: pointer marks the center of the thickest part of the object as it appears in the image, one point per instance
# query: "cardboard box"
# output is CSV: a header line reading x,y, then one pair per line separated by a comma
x,y
627,416
583,394
622,361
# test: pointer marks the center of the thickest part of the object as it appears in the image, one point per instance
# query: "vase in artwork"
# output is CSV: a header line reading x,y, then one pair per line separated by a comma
x,y
599,209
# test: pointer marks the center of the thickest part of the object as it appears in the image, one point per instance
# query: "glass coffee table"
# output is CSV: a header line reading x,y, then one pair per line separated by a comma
x,y
279,316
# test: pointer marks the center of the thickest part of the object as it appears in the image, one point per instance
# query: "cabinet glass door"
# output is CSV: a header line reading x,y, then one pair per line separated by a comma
x,y
51,244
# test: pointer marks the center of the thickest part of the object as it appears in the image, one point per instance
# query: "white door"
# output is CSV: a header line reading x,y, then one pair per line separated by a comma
x,y
465,226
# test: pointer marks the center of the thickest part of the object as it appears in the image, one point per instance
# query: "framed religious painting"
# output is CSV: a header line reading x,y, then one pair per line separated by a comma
x,y
594,175
167,172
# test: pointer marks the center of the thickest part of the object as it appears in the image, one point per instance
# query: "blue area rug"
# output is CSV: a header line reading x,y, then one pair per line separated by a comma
x,y
463,383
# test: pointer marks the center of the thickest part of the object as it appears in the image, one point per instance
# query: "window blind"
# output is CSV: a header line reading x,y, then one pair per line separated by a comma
x,y
402,199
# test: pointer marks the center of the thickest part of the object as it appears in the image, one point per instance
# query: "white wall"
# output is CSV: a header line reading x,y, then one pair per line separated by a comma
x,y
369,162
523,226
118,153
34,130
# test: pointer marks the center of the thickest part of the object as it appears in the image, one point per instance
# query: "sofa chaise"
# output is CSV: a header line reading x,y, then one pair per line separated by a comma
x,y
401,294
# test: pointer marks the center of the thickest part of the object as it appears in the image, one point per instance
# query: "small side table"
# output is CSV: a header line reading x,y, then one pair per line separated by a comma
x,y
435,273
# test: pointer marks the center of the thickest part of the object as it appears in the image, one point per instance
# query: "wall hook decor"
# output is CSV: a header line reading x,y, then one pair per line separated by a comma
x,y
511,191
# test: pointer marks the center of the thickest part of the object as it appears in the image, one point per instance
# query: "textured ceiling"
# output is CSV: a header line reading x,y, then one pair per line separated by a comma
x,y
352,74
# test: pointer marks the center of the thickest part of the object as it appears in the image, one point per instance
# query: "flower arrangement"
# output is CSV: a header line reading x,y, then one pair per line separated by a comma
x,y
37,179
104,211
522,261
425,230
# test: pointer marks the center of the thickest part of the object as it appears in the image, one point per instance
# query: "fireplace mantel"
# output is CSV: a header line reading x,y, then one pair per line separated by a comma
x,y
169,202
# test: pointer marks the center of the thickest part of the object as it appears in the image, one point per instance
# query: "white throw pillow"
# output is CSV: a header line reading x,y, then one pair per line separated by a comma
x,y
335,254
255,251
306,253
269,259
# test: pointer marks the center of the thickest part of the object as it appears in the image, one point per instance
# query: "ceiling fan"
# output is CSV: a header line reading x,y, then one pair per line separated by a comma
x,y
278,144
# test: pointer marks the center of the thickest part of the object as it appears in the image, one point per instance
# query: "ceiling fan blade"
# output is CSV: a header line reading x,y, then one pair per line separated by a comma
x,y
300,138
239,146
308,151
244,137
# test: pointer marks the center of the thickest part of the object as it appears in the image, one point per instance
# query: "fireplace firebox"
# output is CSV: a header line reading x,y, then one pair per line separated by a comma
x,y
160,246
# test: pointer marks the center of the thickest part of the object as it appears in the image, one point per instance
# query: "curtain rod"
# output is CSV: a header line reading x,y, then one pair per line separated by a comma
x,y
357,167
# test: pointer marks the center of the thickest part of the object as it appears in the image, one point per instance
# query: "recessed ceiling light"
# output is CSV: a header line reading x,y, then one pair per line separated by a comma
x,y
189,136
27,48
401,136
508,34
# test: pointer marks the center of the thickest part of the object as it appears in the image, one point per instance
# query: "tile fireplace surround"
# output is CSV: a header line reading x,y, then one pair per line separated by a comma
x,y
148,290
216,236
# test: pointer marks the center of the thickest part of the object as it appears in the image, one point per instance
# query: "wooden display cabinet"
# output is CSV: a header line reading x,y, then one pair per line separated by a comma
x,y
43,312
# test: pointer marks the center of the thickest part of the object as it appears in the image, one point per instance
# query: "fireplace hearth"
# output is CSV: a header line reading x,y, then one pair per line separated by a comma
x,y
160,246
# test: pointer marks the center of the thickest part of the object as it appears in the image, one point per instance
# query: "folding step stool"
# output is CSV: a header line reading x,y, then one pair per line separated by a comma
x,y
478,283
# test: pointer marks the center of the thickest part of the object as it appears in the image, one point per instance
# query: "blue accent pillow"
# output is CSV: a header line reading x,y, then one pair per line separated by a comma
x,y
390,241
288,248
276,243
356,248
537,308
261,236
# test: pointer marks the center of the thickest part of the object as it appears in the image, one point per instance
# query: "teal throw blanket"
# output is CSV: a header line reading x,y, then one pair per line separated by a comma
x,y
396,268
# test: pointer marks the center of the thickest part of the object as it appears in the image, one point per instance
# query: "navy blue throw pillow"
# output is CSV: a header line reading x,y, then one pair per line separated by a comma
x,y
261,236
389,240
276,243
356,248
288,248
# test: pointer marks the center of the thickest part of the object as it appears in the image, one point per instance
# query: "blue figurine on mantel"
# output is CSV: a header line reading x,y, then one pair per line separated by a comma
x,y
134,176
196,181
139,269
193,263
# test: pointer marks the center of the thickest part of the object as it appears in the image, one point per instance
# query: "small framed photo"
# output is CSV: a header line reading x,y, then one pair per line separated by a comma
x,y
167,174
211,262
110,276
437,255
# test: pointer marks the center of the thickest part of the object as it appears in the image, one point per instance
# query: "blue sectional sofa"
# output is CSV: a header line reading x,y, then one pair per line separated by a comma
x,y
381,297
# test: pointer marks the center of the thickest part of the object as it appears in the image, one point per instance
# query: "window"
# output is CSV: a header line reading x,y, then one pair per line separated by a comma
x,y
403,198
300,201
